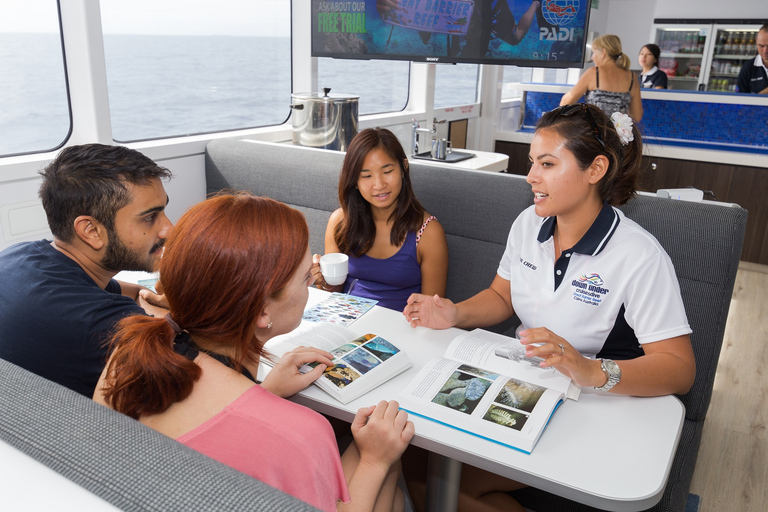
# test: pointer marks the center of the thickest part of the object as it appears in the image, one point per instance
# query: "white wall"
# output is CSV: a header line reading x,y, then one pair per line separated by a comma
x,y
631,20
715,9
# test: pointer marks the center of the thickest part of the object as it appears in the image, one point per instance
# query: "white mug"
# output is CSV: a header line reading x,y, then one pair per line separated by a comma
x,y
335,267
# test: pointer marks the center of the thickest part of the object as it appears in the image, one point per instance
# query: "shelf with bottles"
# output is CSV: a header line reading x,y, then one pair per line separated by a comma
x,y
735,57
735,43
725,67
684,78
718,84
682,55
681,42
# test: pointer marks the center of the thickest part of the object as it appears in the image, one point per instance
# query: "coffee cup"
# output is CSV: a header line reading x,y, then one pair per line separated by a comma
x,y
335,267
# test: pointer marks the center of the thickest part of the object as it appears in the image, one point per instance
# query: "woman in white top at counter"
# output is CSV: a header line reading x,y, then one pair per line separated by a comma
x,y
651,77
588,284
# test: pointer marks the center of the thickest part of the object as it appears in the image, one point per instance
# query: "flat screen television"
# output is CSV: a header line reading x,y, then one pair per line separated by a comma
x,y
546,33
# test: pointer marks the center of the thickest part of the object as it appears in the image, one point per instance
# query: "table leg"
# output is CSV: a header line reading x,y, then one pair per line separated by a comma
x,y
443,479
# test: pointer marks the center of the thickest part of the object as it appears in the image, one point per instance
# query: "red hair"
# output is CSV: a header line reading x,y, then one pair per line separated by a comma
x,y
224,260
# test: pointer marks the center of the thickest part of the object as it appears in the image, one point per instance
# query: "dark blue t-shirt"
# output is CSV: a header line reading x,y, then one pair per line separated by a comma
x,y
54,319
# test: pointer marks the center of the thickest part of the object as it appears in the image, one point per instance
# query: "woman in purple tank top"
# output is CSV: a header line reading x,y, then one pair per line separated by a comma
x,y
395,247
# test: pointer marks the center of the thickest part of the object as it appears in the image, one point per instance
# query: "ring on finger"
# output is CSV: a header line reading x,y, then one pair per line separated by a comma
x,y
562,348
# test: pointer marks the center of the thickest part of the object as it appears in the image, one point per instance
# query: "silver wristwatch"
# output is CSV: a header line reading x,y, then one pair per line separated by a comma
x,y
613,372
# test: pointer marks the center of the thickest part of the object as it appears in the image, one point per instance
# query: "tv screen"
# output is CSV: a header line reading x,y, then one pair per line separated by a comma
x,y
546,33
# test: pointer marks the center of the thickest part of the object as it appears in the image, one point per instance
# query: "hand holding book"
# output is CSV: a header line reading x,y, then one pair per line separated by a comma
x,y
286,379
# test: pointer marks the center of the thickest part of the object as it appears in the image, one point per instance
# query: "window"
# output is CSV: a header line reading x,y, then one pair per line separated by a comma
x,y
34,111
175,69
514,74
456,85
381,84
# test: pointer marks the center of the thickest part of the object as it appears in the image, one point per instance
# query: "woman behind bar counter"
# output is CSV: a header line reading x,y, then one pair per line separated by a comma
x,y
651,77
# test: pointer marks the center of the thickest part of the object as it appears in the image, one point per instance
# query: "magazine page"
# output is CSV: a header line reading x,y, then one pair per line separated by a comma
x,y
311,334
339,308
360,365
507,356
481,402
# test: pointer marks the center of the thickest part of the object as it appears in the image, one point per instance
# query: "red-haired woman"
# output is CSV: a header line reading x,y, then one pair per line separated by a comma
x,y
395,247
236,270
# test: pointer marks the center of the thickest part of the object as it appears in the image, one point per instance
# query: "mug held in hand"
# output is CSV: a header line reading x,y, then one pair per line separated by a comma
x,y
334,267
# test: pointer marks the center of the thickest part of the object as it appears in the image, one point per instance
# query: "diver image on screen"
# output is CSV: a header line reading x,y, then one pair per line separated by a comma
x,y
549,32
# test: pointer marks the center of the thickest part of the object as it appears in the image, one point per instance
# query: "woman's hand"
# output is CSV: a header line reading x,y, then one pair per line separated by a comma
x,y
559,354
430,311
382,433
285,380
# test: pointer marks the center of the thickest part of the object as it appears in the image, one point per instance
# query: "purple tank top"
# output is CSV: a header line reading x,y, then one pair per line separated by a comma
x,y
390,280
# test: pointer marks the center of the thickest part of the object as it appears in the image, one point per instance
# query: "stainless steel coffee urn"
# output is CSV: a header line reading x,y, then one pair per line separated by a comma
x,y
324,120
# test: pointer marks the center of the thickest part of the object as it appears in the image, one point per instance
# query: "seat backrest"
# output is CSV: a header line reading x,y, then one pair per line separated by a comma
x,y
119,459
704,241
303,178
477,209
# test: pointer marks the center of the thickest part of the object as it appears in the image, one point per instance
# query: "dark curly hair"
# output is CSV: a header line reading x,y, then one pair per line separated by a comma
x,y
574,123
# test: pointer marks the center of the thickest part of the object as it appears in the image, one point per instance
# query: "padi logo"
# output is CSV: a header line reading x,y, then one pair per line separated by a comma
x,y
555,34
558,13
589,289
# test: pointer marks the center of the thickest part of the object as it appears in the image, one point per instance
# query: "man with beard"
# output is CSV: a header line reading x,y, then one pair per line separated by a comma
x,y
58,303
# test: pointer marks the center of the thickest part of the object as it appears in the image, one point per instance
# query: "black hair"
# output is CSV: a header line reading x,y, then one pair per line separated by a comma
x,y
90,179
356,232
624,159
655,51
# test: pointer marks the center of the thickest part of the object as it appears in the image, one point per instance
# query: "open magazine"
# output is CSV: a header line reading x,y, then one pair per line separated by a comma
x,y
360,362
485,386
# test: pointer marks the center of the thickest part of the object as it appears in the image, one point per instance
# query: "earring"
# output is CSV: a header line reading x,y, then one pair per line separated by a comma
x,y
269,326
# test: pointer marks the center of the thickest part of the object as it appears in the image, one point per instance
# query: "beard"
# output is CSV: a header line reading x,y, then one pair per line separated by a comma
x,y
119,257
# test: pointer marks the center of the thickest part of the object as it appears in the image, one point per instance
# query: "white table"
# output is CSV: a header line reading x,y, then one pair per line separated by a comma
x,y
608,451
482,161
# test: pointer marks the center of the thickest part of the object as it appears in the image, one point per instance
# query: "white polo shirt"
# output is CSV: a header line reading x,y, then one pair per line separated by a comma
x,y
612,291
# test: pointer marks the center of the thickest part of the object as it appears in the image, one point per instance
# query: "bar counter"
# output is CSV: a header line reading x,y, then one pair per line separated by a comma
x,y
713,141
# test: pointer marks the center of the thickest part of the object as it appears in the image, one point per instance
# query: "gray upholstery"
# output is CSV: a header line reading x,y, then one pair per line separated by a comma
x,y
119,459
477,209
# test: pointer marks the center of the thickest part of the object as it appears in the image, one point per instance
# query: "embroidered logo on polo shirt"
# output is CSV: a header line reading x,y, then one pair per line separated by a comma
x,y
528,264
589,289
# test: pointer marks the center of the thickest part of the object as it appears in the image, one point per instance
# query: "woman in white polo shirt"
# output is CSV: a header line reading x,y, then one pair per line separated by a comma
x,y
596,294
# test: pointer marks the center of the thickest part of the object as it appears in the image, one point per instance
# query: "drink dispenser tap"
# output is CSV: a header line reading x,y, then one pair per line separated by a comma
x,y
417,129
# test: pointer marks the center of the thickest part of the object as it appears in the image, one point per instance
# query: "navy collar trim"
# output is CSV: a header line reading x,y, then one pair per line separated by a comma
x,y
596,237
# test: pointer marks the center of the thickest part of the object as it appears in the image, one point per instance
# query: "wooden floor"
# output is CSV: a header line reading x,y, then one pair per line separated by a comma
x,y
732,468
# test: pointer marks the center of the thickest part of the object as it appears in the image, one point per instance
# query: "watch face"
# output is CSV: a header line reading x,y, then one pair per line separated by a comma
x,y
612,368
613,371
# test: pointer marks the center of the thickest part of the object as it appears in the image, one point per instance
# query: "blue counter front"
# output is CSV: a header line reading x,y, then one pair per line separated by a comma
x,y
707,125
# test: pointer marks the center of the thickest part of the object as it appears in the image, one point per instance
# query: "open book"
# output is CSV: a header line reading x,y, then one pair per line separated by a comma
x,y
360,362
486,387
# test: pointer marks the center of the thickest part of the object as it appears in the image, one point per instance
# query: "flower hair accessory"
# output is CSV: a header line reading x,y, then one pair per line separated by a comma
x,y
623,125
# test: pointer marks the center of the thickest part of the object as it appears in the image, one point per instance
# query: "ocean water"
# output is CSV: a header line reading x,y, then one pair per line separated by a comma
x,y
163,86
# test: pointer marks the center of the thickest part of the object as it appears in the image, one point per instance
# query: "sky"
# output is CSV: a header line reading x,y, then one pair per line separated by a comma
x,y
172,17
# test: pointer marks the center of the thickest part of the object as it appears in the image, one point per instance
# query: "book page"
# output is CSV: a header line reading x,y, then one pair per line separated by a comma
x,y
481,402
311,334
507,356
